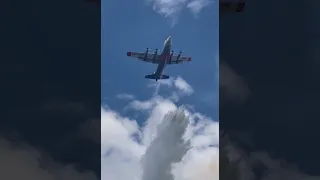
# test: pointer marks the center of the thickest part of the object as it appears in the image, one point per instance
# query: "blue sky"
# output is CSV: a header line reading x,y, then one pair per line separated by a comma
x,y
136,25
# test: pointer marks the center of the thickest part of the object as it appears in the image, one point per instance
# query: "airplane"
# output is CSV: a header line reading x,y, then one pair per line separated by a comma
x,y
226,6
166,57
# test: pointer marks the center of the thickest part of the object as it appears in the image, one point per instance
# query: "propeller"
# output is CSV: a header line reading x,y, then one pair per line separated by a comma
x,y
146,54
179,56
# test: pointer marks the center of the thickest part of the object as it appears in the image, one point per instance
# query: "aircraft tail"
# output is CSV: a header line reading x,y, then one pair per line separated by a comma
x,y
153,76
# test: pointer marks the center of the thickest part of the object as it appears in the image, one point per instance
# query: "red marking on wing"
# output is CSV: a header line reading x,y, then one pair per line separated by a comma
x,y
189,59
129,53
166,57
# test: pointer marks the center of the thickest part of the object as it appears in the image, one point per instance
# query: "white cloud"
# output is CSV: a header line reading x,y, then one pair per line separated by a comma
x,y
199,165
171,8
116,133
197,5
158,143
142,105
177,85
272,169
121,152
183,86
125,96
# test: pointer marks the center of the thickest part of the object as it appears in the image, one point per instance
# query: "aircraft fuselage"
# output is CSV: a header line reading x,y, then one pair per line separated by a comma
x,y
164,56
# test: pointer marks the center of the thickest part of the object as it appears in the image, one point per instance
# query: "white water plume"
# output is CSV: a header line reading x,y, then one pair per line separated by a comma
x,y
157,88
167,148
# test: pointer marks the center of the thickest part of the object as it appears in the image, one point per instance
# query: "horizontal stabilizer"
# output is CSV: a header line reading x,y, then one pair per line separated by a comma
x,y
165,77
153,76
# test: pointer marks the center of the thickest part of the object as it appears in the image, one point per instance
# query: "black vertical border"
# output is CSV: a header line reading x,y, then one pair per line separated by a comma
x,y
274,47
51,83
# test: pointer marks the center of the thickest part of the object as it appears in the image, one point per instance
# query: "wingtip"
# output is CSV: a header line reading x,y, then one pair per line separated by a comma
x,y
128,53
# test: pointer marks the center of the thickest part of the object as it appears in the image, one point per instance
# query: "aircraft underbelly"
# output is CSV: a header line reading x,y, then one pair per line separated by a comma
x,y
163,61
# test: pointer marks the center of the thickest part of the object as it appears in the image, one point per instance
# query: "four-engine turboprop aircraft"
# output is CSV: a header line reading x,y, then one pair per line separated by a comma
x,y
166,57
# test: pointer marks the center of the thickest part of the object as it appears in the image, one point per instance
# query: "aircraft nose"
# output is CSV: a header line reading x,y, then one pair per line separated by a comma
x,y
169,40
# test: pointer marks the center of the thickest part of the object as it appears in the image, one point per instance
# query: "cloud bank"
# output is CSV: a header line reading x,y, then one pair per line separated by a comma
x,y
171,8
22,161
260,165
173,142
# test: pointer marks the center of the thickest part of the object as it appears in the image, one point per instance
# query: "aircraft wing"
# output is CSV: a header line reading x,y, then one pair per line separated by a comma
x,y
143,56
154,58
178,59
